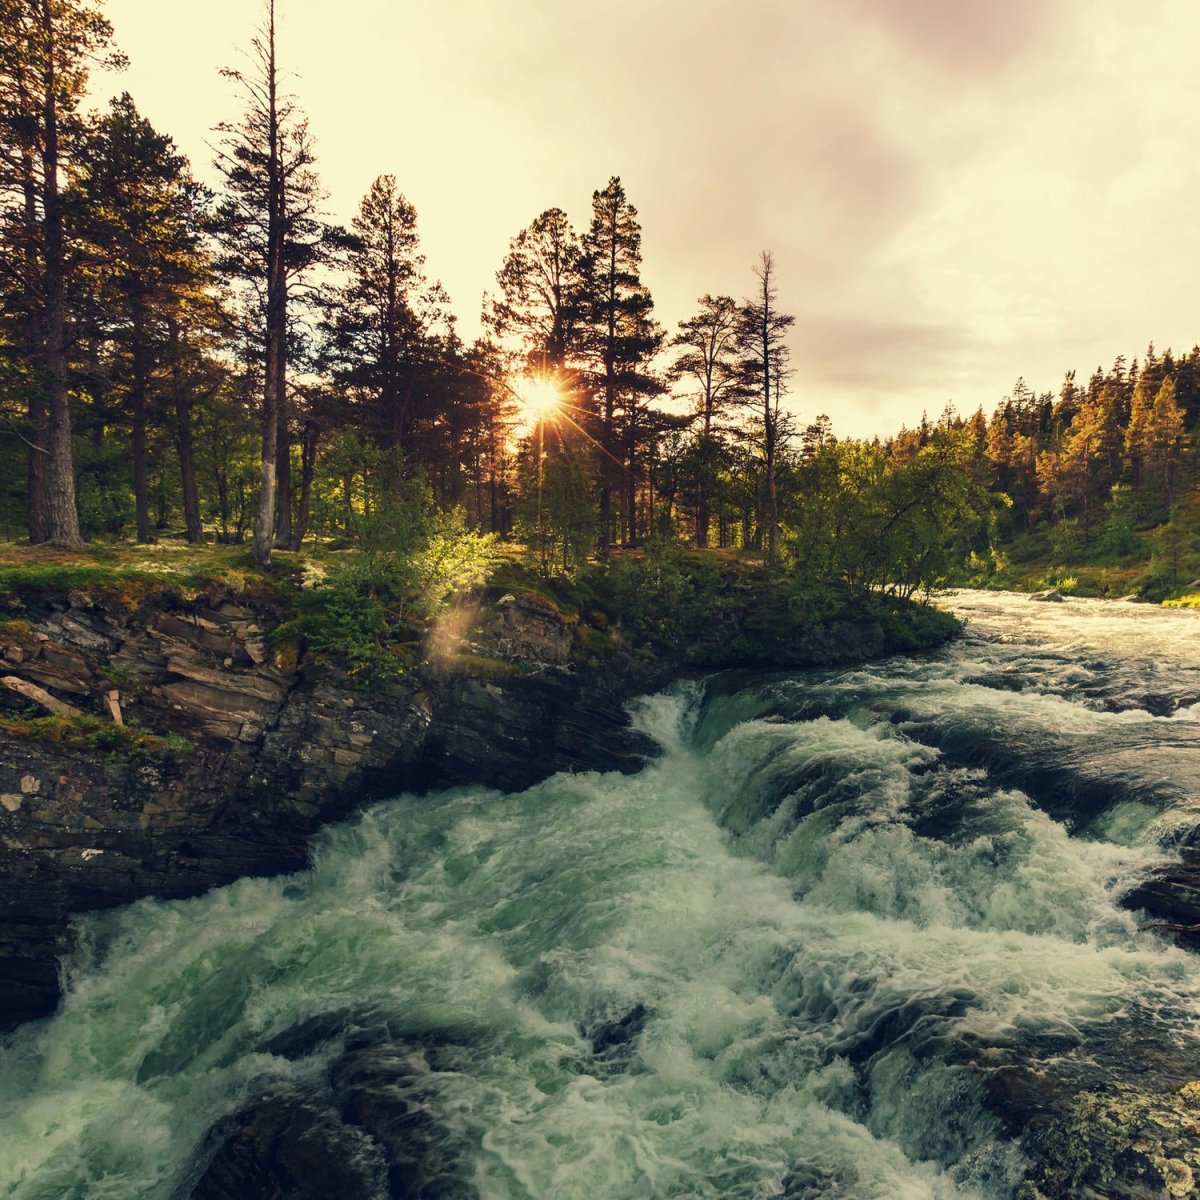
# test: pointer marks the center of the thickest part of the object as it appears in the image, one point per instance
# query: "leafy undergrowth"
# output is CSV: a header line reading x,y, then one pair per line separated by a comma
x,y
718,608
1033,562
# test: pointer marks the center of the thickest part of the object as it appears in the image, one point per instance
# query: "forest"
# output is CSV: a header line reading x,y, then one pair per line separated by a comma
x,y
231,366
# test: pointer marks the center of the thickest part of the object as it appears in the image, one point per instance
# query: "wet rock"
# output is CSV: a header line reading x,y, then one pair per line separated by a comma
x,y
1053,595
1122,1142
365,1131
391,1092
1171,897
291,1147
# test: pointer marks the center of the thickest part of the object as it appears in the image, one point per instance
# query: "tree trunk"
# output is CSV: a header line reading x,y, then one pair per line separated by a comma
x,y
264,523
38,515
606,449
184,446
283,478
274,381
61,513
704,480
770,419
39,499
631,485
137,404
308,466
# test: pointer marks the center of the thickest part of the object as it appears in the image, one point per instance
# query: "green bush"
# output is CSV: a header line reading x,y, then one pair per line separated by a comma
x,y
409,559
665,595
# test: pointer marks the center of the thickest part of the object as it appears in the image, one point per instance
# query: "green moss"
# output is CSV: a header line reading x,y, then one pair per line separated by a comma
x,y
87,732
17,633
594,637
131,573
912,627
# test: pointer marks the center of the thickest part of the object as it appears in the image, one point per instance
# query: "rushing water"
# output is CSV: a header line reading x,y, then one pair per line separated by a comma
x,y
791,957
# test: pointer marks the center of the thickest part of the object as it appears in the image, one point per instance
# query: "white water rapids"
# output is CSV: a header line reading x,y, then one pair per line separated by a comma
x,y
783,960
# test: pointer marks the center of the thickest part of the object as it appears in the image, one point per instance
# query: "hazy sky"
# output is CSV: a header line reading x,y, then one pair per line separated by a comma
x,y
957,192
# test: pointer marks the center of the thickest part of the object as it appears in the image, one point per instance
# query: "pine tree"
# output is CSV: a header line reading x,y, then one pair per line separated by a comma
x,y
763,329
620,338
45,52
541,290
709,359
272,236
141,213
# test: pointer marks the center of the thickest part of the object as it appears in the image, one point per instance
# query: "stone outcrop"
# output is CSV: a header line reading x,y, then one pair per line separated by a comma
x,y
240,747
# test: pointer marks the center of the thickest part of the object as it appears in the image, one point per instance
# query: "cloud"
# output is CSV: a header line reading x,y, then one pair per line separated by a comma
x,y
957,192
964,35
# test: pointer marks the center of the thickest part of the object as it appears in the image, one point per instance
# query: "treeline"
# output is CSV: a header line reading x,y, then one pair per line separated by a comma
x,y
232,365
218,365
235,365
1094,464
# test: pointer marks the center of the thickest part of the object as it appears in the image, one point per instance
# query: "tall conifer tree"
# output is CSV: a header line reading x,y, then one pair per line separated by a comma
x,y
141,214
763,333
621,337
46,50
272,235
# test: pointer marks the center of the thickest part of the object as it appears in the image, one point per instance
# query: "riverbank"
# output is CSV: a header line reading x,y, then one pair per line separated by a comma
x,y
1148,564
200,738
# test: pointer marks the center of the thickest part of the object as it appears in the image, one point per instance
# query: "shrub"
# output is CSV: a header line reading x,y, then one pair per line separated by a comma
x,y
408,561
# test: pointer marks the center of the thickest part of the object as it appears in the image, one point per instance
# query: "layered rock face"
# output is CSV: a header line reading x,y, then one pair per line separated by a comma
x,y
264,749
237,748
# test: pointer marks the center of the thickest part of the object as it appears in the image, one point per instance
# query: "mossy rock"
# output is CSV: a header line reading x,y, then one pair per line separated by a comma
x,y
477,666
87,732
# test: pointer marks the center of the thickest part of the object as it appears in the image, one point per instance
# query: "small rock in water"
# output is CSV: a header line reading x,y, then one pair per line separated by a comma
x,y
1053,594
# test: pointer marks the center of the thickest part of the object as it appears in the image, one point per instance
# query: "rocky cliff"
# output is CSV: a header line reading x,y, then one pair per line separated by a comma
x,y
233,752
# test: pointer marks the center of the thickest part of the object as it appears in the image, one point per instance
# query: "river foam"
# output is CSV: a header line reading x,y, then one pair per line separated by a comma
x,y
787,959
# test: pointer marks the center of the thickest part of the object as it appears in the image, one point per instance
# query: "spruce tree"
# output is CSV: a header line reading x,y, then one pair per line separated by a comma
x,y
620,337
272,236
45,53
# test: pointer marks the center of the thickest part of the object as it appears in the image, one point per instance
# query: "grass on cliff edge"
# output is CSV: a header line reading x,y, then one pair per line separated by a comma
x,y
650,600
136,570
89,732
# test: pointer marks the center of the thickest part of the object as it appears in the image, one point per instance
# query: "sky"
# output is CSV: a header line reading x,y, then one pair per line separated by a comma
x,y
956,192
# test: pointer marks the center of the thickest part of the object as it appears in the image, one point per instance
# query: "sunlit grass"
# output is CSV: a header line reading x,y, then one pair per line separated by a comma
x,y
117,567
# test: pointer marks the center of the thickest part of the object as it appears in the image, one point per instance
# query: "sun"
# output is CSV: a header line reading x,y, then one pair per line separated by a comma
x,y
538,396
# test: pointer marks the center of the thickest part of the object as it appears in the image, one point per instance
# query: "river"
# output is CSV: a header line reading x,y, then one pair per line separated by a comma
x,y
854,934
